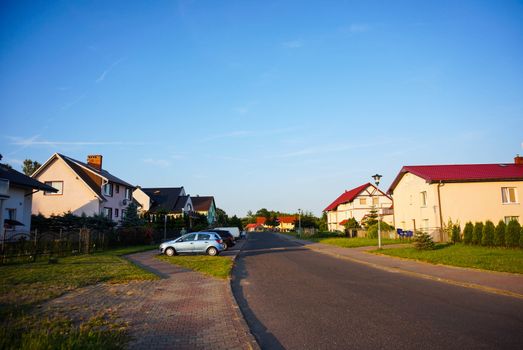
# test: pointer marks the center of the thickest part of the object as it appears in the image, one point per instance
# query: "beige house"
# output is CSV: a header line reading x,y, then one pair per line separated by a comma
x,y
357,203
83,188
287,223
169,200
426,197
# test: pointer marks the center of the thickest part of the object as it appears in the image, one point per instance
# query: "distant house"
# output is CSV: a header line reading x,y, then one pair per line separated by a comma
x,y
358,203
205,205
427,196
254,227
260,220
286,223
170,200
16,197
83,188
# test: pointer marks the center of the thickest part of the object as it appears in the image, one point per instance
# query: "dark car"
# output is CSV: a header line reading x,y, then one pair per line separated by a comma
x,y
227,237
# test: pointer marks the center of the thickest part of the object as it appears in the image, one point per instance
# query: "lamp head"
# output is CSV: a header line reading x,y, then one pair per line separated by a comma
x,y
377,178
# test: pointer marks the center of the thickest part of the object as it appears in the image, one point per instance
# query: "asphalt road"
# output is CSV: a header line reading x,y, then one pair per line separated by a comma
x,y
294,298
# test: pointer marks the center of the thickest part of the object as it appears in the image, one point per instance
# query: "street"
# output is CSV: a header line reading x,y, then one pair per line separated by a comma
x,y
294,298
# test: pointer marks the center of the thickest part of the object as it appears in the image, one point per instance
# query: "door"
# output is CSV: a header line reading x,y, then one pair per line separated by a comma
x,y
185,244
202,242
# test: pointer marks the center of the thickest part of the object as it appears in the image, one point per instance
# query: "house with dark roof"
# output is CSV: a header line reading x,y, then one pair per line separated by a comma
x,y
171,200
426,197
16,197
358,203
205,205
83,188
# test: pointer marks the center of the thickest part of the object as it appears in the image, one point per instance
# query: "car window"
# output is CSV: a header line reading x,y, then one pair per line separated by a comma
x,y
204,236
189,238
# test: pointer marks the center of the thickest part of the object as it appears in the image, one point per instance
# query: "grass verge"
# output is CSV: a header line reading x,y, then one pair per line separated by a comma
x,y
215,266
493,259
23,286
344,242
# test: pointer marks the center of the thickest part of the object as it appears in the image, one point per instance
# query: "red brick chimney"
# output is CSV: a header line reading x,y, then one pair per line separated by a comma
x,y
518,160
95,160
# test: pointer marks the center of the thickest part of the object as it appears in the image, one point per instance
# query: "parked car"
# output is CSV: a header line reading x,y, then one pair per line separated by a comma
x,y
235,231
192,243
226,236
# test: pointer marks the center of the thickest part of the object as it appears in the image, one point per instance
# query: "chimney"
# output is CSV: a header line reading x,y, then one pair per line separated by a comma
x,y
518,160
95,160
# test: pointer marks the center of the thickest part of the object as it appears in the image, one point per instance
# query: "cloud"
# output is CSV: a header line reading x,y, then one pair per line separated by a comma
x,y
293,44
70,104
162,163
108,70
34,141
325,149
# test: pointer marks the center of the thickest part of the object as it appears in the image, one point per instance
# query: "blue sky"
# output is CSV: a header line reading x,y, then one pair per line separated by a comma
x,y
276,104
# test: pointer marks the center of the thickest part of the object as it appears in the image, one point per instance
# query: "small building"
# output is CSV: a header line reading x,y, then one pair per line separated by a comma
x,y
286,223
358,203
426,197
83,188
16,197
205,205
254,228
168,200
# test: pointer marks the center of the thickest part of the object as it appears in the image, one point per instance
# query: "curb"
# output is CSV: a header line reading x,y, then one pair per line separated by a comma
x,y
415,274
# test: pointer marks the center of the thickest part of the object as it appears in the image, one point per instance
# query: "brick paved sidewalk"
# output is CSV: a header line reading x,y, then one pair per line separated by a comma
x,y
490,281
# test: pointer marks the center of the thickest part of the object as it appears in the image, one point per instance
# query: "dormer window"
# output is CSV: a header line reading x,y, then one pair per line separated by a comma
x,y
108,189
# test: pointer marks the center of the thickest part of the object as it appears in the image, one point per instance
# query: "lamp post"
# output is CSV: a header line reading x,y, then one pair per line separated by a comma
x,y
377,177
299,222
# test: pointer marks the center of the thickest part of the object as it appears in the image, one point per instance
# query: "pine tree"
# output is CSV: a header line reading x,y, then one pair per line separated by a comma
x,y
423,241
512,233
477,233
467,232
131,218
499,234
456,233
487,238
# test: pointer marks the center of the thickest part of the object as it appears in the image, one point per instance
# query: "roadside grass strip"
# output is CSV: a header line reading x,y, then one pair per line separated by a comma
x,y
345,242
215,266
24,286
485,258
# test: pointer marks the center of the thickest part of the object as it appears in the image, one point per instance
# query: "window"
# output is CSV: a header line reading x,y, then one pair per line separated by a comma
x,y
375,201
117,188
423,198
10,213
128,193
510,218
108,189
116,212
189,238
363,201
425,224
508,195
59,185
108,213
204,237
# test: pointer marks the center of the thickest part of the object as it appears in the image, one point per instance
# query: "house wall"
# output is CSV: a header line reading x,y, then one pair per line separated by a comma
x,y
76,197
116,202
20,199
142,198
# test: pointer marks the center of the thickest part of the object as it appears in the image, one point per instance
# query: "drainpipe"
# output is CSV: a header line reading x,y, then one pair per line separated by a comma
x,y
440,213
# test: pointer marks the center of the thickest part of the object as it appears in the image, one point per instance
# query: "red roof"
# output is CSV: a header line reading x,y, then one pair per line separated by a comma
x,y
251,226
260,220
462,173
343,222
287,219
348,196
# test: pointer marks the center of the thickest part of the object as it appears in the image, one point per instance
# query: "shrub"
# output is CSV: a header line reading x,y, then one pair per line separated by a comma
x,y
467,232
372,231
487,238
512,233
423,241
456,234
477,234
499,234
136,235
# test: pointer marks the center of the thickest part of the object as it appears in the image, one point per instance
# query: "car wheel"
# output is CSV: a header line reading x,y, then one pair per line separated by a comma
x,y
170,251
225,245
212,251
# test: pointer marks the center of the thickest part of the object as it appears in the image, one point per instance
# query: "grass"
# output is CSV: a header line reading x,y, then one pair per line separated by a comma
x,y
23,286
344,242
494,259
215,266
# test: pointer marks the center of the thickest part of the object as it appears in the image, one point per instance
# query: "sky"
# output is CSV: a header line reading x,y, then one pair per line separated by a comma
x,y
275,104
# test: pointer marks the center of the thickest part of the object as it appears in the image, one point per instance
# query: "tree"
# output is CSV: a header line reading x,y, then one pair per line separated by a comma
x,y
467,233
372,231
272,220
456,233
131,218
423,241
512,233
322,222
477,234
222,219
499,234
30,166
4,164
371,218
236,222
487,238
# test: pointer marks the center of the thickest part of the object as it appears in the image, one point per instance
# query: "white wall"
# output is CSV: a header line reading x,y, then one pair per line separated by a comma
x,y
22,203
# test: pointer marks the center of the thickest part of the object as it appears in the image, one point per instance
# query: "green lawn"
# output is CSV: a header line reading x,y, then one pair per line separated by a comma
x,y
494,259
344,242
216,266
23,286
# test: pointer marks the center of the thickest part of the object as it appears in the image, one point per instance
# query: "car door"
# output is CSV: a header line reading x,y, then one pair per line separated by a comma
x,y
185,244
202,242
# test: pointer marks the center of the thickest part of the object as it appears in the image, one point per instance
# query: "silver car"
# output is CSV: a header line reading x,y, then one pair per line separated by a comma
x,y
198,242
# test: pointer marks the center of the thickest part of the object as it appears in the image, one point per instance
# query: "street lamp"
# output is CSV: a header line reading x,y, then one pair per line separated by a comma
x,y
299,222
377,178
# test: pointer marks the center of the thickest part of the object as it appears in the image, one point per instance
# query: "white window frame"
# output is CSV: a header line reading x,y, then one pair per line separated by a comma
x,y
108,212
507,219
105,191
505,195
128,193
423,199
60,189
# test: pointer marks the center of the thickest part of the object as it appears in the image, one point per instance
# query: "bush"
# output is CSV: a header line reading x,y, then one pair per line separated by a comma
x,y
487,238
372,231
456,234
423,241
467,232
477,234
499,234
136,235
512,233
